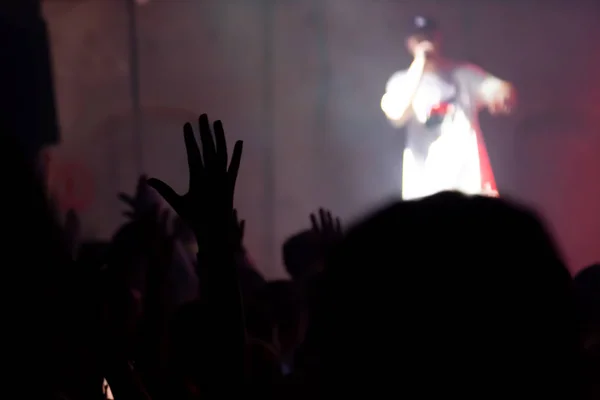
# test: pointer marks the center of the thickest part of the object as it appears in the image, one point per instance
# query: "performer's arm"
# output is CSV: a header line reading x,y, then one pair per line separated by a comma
x,y
401,89
498,96
493,93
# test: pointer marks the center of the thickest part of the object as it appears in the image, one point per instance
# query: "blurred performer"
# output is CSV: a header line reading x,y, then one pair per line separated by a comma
x,y
437,101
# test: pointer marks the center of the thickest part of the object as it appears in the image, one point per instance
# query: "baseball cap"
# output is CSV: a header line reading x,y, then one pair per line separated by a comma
x,y
422,25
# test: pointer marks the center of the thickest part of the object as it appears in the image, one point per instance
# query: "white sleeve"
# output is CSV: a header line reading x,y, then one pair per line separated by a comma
x,y
482,85
396,82
393,95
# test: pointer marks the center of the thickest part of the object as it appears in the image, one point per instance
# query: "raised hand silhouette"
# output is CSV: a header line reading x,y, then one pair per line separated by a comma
x,y
208,205
207,208
326,226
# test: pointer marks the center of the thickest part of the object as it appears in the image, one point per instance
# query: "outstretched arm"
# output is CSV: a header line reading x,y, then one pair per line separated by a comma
x,y
491,92
498,96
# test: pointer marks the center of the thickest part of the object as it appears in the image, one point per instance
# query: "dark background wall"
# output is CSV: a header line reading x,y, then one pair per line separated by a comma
x,y
300,82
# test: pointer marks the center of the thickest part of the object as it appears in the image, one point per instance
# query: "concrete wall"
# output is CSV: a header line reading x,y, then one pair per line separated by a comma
x,y
300,82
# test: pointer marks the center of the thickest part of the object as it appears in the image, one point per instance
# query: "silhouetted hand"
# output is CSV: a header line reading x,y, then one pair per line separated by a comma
x,y
207,208
328,230
326,226
208,205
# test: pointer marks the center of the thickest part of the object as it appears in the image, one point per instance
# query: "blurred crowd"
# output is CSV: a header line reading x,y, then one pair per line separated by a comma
x,y
448,295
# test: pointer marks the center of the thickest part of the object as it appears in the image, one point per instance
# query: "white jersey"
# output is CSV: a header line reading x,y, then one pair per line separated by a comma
x,y
448,155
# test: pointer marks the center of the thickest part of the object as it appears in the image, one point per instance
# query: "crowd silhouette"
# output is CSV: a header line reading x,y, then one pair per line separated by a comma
x,y
449,295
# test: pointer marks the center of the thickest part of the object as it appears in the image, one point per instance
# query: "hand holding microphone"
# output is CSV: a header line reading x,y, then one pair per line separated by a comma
x,y
423,49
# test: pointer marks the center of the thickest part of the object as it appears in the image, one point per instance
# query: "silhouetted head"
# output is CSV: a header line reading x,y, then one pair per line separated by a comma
x,y
462,293
587,282
301,253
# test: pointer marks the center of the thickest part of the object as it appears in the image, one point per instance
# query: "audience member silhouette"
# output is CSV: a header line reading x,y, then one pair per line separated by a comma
x,y
587,282
446,295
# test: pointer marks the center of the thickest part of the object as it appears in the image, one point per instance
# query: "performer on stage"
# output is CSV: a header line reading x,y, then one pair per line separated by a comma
x,y
437,101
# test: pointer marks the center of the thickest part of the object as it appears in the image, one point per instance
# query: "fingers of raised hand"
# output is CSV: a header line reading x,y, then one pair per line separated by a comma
x,y
166,193
338,226
221,146
208,144
325,222
127,199
193,153
326,218
314,223
214,155
141,184
234,165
